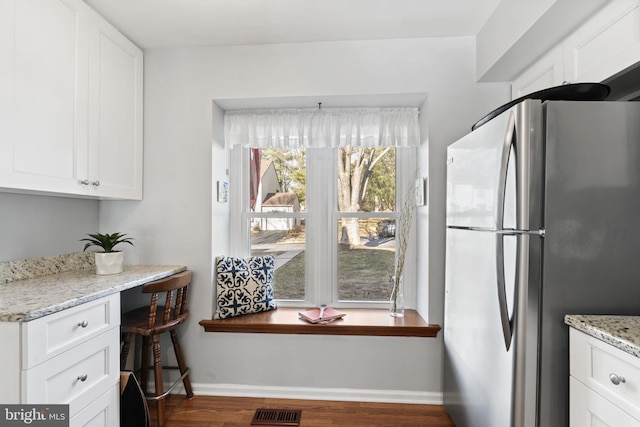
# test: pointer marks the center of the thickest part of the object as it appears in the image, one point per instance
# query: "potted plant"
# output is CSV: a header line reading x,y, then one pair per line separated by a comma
x,y
109,261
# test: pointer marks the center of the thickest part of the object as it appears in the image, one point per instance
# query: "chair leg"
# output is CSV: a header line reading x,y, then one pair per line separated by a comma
x,y
181,363
144,365
124,353
157,370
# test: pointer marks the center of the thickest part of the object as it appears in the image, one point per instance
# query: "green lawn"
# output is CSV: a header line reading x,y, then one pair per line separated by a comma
x,y
363,275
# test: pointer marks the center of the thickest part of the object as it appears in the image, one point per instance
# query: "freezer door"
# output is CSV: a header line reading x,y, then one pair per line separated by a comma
x,y
478,369
479,176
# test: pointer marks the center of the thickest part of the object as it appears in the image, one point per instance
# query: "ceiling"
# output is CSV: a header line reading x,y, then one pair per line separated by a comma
x,y
174,23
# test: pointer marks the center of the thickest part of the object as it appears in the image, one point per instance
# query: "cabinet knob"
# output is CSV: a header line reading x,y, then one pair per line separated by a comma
x,y
84,182
616,379
82,378
83,324
96,183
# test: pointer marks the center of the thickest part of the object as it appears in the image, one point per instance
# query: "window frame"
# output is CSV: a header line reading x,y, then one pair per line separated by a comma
x,y
321,217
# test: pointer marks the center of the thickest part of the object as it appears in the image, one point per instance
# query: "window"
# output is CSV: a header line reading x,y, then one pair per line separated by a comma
x,y
328,216
325,208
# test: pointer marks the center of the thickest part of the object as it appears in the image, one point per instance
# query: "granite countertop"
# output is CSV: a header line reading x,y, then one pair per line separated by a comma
x,y
28,299
622,332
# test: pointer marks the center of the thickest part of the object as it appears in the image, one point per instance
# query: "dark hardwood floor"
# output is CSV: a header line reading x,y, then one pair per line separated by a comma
x,y
213,411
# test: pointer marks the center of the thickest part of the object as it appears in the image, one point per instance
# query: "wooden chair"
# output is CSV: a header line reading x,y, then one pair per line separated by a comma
x,y
149,323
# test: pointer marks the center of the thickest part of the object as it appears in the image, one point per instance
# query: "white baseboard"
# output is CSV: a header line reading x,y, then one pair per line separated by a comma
x,y
311,393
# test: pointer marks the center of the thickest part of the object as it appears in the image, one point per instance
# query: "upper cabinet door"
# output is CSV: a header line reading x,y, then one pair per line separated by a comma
x,y
43,94
605,45
115,113
547,72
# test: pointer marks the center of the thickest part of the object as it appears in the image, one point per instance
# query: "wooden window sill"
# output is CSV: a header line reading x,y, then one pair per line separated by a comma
x,y
358,321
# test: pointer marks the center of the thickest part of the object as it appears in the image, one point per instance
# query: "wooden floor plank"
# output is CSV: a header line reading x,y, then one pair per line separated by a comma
x,y
213,411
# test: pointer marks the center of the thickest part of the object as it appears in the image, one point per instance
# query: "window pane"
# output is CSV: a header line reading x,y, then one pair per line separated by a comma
x,y
366,246
278,184
366,179
277,180
365,269
287,244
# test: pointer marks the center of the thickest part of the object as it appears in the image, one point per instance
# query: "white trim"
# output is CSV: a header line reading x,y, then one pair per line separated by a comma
x,y
316,393
239,235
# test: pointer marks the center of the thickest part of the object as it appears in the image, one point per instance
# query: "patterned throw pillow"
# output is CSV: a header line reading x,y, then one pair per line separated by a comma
x,y
244,285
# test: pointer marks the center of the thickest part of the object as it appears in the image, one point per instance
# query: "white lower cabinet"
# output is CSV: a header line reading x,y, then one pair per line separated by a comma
x,y
102,412
75,377
604,384
69,357
49,336
589,409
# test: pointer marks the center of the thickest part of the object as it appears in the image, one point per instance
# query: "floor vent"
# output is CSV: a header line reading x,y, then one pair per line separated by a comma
x,y
276,417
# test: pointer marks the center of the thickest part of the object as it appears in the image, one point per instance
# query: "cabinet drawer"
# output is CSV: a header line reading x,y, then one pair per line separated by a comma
x,y
102,412
593,362
589,409
50,335
77,376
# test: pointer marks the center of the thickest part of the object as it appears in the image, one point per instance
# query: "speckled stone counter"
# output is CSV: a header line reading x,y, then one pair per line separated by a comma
x,y
10,271
28,299
622,332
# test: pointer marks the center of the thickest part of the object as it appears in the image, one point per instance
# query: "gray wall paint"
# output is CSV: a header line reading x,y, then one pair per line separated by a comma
x,y
180,222
35,226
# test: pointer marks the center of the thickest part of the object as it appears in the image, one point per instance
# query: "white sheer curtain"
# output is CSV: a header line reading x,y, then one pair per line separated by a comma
x,y
322,128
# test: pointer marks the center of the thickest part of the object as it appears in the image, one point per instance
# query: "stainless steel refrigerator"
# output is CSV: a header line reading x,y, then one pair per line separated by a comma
x,y
543,220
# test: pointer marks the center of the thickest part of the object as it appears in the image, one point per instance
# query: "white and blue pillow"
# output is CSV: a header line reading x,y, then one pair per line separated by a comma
x,y
244,285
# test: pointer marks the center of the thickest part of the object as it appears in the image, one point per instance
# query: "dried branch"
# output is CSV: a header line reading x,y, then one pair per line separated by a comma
x,y
403,230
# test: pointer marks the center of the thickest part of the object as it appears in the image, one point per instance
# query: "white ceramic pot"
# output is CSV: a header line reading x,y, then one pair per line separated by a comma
x,y
109,262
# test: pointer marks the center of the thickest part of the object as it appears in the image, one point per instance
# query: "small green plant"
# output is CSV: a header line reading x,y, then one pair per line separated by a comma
x,y
106,241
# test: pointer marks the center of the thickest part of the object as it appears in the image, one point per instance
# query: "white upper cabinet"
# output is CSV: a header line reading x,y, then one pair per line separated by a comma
x,y
546,72
115,114
44,94
605,45
602,47
70,102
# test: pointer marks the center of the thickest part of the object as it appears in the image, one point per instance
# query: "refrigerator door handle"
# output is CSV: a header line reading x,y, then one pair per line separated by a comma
x,y
507,145
505,318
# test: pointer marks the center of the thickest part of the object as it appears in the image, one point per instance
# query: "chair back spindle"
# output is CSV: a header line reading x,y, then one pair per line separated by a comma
x,y
174,311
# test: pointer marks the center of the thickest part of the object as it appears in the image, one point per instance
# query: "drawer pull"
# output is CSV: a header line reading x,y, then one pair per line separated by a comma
x,y
82,378
616,379
83,324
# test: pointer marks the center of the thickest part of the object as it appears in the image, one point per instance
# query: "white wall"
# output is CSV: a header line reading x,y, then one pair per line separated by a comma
x,y
184,157
36,226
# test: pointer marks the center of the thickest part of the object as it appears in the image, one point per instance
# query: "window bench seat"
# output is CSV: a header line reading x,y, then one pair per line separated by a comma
x,y
358,321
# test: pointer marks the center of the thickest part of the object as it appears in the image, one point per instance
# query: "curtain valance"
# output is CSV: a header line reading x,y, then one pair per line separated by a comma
x,y
322,128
